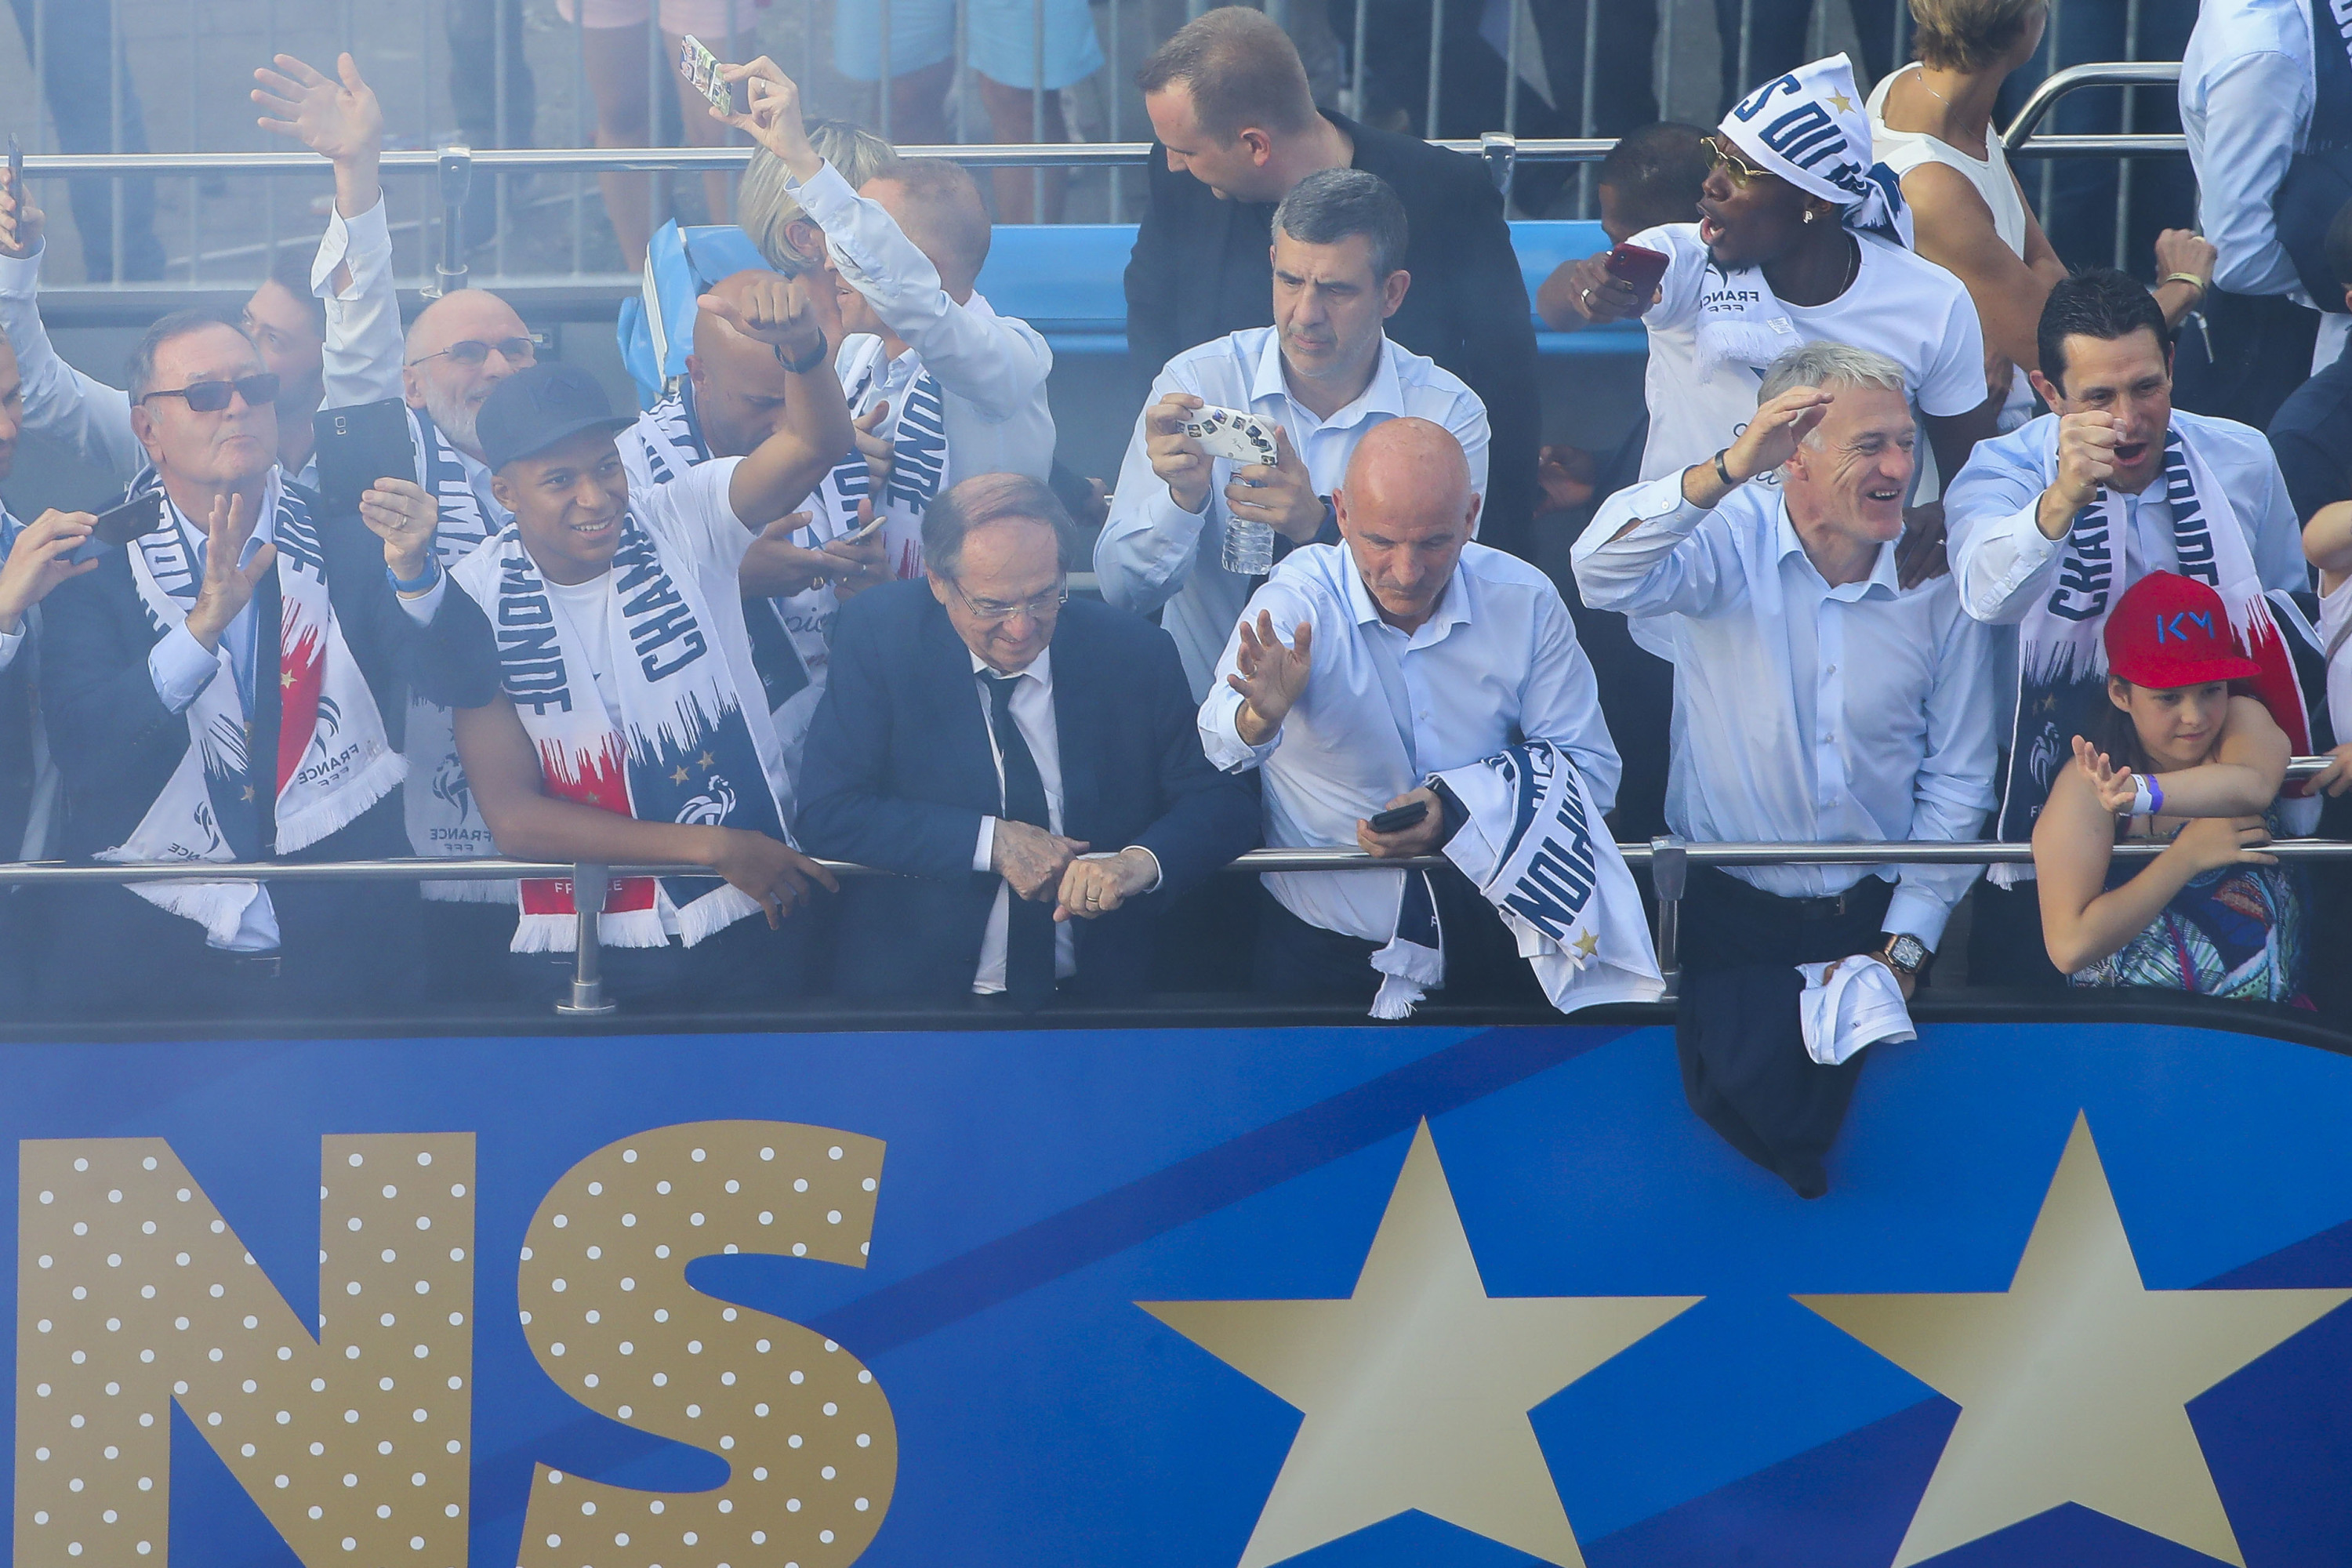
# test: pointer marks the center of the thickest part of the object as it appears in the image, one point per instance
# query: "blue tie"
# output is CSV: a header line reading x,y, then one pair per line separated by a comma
x,y
1029,925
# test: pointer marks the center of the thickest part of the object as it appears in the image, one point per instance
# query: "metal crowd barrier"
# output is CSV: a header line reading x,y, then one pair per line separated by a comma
x,y
1667,859
455,167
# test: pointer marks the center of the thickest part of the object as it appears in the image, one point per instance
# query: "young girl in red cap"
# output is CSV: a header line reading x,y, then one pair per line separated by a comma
x,y
2177,759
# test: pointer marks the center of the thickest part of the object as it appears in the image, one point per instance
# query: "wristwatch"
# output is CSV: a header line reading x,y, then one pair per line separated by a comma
x,y
1905,954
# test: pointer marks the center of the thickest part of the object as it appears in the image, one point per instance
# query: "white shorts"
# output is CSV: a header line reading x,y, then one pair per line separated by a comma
x,y
706,19
1003,38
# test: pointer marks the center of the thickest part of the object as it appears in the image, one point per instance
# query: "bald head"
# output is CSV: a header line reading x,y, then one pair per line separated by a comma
x,y
741,391
443,383
470,313
1406,512
936,205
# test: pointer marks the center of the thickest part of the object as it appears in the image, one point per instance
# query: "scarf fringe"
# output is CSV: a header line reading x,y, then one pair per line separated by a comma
x,y
333,813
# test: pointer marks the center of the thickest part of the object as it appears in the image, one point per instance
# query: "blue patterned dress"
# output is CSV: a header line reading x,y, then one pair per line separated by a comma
x,y
2237,931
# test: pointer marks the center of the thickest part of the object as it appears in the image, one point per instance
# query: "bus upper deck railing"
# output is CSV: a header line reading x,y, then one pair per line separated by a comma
x,y
1667,861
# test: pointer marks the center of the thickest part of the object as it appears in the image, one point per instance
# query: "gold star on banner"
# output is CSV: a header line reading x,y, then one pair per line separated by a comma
x,y
1844,104
1416,1389
2071,1383
248,792
705,760
286,680
1587,945
678,777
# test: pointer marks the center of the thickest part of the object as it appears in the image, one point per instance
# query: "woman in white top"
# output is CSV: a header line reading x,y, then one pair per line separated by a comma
x,y
1931,123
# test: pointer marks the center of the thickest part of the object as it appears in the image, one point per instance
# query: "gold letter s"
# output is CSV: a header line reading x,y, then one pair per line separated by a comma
x,y
609,1314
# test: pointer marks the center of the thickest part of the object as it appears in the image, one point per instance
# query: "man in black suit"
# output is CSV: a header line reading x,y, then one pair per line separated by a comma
x,y
133,658
1029,764
1236,128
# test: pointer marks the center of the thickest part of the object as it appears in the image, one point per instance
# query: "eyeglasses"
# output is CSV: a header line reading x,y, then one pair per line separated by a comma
x,y
991,611
472,351
1740,170
212,396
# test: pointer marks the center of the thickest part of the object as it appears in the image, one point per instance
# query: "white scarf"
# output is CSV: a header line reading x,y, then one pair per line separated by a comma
x,y
1810,129
333,761
684,752
2062,657
438,807
1562,889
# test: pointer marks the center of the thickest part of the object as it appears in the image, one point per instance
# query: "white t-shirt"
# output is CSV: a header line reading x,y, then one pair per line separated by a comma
x,y
1911,311
696,524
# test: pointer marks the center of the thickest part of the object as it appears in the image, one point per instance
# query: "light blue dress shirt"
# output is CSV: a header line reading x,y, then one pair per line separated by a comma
x,y
10,642
2246,99
1803,712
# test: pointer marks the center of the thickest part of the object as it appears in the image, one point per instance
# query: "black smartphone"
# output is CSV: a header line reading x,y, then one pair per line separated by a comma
x,y
142,514
16,168
1396,819
358,446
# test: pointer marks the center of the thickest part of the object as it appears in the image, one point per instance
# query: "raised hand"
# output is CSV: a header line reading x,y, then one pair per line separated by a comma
x,y
21,223
1270,677
2117,788
1919,555
880,453
1598,295
404,516
774,567
1773,436
1032,860
2087,458
38,563
773,309
1280,493
1177,458
336,120
227,587
770,871
774,120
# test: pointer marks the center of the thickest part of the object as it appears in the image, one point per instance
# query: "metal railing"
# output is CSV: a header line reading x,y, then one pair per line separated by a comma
x,y
1667,861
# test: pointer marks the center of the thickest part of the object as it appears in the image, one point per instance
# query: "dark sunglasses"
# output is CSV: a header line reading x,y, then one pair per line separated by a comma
x,y
473,351
1741,171
212,396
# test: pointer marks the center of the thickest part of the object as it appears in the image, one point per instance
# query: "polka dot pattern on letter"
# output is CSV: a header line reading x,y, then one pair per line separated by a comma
x,y
796,1416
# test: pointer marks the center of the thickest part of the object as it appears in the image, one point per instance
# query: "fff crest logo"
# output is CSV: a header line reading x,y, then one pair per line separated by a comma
x,y
355,1443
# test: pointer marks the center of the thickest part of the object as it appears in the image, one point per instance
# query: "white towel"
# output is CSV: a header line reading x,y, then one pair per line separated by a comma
x,y
1853,1003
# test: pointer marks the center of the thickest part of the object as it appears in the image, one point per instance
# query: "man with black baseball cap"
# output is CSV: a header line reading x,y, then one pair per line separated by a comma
x,y
614,714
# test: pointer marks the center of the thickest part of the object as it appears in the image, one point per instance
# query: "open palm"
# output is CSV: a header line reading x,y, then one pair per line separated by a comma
x,y
334,119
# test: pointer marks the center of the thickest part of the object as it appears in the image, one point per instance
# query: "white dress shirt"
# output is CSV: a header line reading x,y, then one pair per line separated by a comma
x,y
1152,552
79,412
11,642
1497,663
991,368
2003,562
1033,715
2246,99
1804,713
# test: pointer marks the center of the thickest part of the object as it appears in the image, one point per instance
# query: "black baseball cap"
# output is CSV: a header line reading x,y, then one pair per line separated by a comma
x,y
539,406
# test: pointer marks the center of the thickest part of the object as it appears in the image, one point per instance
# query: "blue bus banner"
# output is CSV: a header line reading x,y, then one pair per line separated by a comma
x,y
1175,1298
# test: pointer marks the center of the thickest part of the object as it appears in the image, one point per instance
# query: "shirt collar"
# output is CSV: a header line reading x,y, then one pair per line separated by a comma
x,y
1042,666
264,533
1452,607
1883,573
1384,395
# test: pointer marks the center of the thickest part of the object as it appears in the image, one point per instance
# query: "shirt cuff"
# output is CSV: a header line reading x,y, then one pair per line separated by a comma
x,y
824,195
422,608
1222,739
352,240
1917,911
9,643
181,669
1153,886
983,856
21,274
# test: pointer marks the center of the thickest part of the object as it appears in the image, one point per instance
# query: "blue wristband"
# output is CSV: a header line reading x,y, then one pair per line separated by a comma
x,y
431,576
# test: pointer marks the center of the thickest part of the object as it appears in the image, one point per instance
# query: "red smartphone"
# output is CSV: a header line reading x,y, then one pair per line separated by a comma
x,y
1639,266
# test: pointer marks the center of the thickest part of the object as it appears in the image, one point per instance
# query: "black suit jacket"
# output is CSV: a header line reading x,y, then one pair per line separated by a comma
x,y
1201,270
117,745
899,773
15,751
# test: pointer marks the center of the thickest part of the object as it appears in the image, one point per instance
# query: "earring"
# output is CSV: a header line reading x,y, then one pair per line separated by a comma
x,y
1808,217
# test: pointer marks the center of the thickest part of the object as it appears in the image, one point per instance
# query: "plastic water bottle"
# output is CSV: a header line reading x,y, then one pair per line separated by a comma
x,y
1249,548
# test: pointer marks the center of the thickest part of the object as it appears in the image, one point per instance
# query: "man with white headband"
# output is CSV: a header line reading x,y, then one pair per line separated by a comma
x,y
1801,239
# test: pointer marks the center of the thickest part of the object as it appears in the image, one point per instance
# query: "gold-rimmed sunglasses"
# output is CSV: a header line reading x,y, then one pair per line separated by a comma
x,y
1739,170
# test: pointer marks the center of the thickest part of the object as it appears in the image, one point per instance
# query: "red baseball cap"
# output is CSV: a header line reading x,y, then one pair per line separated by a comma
x,y
2170,631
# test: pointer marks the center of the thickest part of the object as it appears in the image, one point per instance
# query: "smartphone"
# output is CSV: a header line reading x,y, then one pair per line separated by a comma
x,y
1639,266
359,445
860,535
15,167
1398,819
699,67
142,513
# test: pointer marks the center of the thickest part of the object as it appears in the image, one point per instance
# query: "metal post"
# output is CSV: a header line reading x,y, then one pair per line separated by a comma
x,y
1585,195
1363,104
1114,94
579,133
1436,64
882,71
1037,105
196,74
1511,96
2124,166
456,176
1669,874
2049,67
1747,47
499,66
117,69
588,886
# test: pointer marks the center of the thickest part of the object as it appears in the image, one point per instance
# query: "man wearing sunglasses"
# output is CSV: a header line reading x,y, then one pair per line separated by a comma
x,y
1027,763
228,686
1810,244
